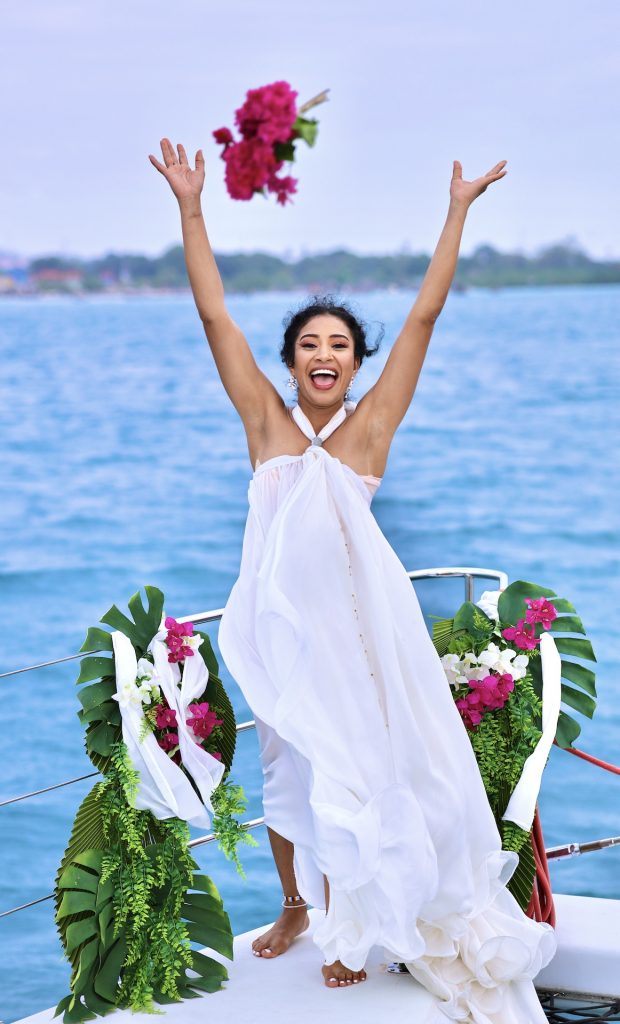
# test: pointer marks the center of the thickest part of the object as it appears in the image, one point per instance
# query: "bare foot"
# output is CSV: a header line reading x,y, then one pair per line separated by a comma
x,y
337,975
291,922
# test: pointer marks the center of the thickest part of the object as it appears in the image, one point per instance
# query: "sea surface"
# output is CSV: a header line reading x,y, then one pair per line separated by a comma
x,y
124,464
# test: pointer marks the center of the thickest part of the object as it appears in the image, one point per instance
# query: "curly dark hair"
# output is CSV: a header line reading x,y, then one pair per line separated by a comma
x,y
326,305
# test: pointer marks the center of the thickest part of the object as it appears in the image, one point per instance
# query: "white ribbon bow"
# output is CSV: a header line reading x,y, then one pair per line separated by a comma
x,y
164,789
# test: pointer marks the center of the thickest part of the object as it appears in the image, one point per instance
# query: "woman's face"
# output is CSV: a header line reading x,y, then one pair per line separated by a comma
x,y
324,360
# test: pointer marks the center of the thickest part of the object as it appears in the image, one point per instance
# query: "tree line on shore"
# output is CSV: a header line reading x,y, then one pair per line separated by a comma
x,y
561,263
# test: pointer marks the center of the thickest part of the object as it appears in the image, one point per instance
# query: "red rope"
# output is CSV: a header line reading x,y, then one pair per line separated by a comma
x,y
541,907
588,757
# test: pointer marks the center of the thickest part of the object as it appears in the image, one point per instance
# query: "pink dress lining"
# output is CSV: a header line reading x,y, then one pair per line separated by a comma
x,y
372,482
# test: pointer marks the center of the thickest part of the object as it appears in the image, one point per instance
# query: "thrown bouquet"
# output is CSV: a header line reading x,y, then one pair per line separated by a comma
x,y
505,669
129,897
269,124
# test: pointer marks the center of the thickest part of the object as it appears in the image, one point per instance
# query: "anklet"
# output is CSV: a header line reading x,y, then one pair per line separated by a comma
x,y
298,901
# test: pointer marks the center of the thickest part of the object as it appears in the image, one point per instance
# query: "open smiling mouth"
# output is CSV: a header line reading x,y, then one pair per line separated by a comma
x,y
323,380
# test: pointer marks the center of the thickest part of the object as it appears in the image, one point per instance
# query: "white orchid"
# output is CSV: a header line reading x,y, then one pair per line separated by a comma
x,y
519,666
453,667
147,682
128,696
149,692
490,655
504,660
469,659
488,603
146,669
193,641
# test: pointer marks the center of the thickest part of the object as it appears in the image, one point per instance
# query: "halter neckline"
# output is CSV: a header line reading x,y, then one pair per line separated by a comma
x,y
306,427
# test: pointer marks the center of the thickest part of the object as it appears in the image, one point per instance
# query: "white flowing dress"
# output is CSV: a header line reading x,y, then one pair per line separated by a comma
x,y
367,765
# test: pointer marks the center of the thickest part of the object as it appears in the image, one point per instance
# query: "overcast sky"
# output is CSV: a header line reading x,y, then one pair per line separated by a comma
x,y
87,89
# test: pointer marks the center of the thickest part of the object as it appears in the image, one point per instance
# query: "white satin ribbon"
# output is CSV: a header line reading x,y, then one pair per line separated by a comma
x,y
164,789
522,804
306,427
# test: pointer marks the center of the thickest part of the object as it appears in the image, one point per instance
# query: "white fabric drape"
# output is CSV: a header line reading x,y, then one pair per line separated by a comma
x,y
522,804
164,788
368,769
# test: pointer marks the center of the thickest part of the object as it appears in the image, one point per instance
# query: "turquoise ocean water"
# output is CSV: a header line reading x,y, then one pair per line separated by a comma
x,y
123,463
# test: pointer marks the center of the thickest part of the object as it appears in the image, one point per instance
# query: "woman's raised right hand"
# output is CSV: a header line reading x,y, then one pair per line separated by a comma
x,y
184,182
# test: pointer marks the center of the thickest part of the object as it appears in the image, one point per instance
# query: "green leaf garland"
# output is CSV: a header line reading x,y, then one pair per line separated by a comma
x,y
505,737
130,899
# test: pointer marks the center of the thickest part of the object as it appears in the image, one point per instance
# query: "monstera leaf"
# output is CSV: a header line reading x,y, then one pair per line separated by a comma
x,y
85,919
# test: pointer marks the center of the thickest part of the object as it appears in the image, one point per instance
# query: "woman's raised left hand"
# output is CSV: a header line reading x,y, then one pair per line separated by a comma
x,y
466,191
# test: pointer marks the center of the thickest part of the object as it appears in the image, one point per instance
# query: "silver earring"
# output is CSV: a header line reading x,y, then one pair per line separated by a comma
x,y
292,381
348,391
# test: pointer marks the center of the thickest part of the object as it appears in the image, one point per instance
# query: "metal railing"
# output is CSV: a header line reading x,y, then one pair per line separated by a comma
x,y
469,574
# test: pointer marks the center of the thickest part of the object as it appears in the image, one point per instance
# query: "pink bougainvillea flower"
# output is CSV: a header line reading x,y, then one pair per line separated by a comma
x,y
284,187
540,610
270,125
250,164
521,637
168,741
223,136
268,113
216,754
203,721
165,717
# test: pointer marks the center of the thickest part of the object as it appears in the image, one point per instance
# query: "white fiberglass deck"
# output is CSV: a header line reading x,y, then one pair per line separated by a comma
x,y
291,986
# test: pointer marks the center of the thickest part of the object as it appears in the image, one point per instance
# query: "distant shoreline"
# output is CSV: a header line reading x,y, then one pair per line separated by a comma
x,y
341,270
136,293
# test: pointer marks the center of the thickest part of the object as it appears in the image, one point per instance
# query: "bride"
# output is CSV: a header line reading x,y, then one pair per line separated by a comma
x,y
372,796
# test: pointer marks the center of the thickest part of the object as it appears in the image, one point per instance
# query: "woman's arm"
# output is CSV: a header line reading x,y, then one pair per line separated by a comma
x,y
391,396
250,391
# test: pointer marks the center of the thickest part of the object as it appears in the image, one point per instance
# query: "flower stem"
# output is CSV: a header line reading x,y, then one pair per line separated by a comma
x,y
314,102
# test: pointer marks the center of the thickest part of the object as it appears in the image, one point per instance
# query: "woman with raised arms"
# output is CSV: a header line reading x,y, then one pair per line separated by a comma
x,y
372,796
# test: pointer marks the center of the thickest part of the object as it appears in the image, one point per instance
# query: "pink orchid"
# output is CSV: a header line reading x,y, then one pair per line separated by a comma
x,y
471,716
505,684
521,637
485,691
175,639
540,610
165,717
168,741
488,694
203,721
